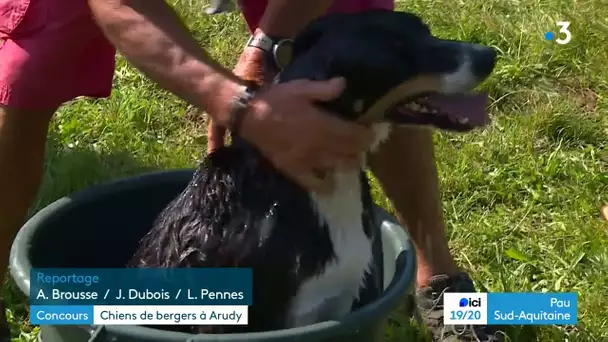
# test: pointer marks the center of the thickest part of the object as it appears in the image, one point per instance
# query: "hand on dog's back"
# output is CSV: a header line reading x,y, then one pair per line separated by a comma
x,y
298,137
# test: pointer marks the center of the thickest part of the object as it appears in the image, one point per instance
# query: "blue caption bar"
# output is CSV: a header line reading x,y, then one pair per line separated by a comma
x,y
532,308
61,314
141,286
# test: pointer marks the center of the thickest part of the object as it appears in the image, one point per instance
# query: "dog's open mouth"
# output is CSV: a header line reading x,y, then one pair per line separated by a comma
x,y
420,102
457,112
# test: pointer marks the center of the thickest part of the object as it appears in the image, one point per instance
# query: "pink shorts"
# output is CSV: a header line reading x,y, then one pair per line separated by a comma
x,y
254,9
52,52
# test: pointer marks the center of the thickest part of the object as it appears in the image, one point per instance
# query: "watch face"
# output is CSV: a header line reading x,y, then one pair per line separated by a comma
x,y
283,53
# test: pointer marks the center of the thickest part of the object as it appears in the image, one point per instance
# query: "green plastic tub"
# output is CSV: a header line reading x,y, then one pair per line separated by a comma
x,y
101,227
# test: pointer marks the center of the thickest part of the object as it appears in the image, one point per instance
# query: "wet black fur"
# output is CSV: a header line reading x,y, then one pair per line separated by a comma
x,y
217,221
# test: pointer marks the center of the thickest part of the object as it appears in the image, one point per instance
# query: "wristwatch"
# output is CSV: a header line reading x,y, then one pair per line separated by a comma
x,y
280,49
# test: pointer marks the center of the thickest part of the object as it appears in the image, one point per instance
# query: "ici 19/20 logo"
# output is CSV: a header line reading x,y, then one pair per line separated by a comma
x,y
564,36
475,303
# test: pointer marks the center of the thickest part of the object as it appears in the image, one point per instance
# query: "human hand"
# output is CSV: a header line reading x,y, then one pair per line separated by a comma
x,y
253,65
299,138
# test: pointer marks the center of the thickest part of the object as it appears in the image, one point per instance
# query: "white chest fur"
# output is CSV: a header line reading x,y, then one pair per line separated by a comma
x,y
331,294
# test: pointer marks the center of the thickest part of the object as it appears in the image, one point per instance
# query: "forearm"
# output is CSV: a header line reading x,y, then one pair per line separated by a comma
x,y
285,18
150,35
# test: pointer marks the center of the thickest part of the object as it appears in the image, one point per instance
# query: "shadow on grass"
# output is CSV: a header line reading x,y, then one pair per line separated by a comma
x,y
67,170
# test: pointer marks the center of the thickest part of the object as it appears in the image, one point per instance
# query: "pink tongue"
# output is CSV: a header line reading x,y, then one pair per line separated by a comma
x,y
467,109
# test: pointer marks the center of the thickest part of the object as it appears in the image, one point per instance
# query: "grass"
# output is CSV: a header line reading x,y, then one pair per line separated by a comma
x,y
521,199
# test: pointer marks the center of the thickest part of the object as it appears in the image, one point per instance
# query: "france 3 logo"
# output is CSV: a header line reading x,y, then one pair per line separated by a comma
x,y
563,36
465,308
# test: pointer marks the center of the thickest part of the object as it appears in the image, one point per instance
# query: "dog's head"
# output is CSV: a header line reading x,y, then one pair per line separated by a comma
x,y
395,70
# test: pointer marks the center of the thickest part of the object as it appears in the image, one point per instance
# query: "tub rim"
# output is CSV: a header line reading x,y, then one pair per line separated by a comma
x,y
403,277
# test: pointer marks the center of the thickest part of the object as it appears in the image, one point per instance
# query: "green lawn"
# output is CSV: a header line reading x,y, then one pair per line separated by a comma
x,y
522,198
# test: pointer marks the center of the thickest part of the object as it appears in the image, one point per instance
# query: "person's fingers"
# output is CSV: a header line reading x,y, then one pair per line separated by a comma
x,y
218,131
350,162
325,162
318,183
308,178
338,161
346,137
215,137
320,173
319,90
359,135
213,145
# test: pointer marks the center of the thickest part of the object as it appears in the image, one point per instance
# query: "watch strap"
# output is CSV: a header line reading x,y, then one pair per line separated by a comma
x,y
262,41
270,45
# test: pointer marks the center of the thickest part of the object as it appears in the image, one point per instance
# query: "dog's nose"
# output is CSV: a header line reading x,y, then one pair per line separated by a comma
x,y
484,60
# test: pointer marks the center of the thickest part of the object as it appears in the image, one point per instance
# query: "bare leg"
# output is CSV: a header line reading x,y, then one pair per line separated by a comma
x,y
22,142
405,167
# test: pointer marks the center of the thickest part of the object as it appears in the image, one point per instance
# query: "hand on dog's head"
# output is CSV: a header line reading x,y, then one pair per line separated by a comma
x,y
389,58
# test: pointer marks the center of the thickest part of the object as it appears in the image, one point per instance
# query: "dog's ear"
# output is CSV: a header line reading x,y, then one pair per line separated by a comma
x,y
341,22
304,42
314,31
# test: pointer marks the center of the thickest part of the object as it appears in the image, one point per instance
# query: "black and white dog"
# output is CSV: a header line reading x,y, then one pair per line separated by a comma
x,y
313,255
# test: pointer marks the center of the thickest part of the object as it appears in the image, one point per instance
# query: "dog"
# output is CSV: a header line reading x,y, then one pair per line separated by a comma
x,y
318,257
